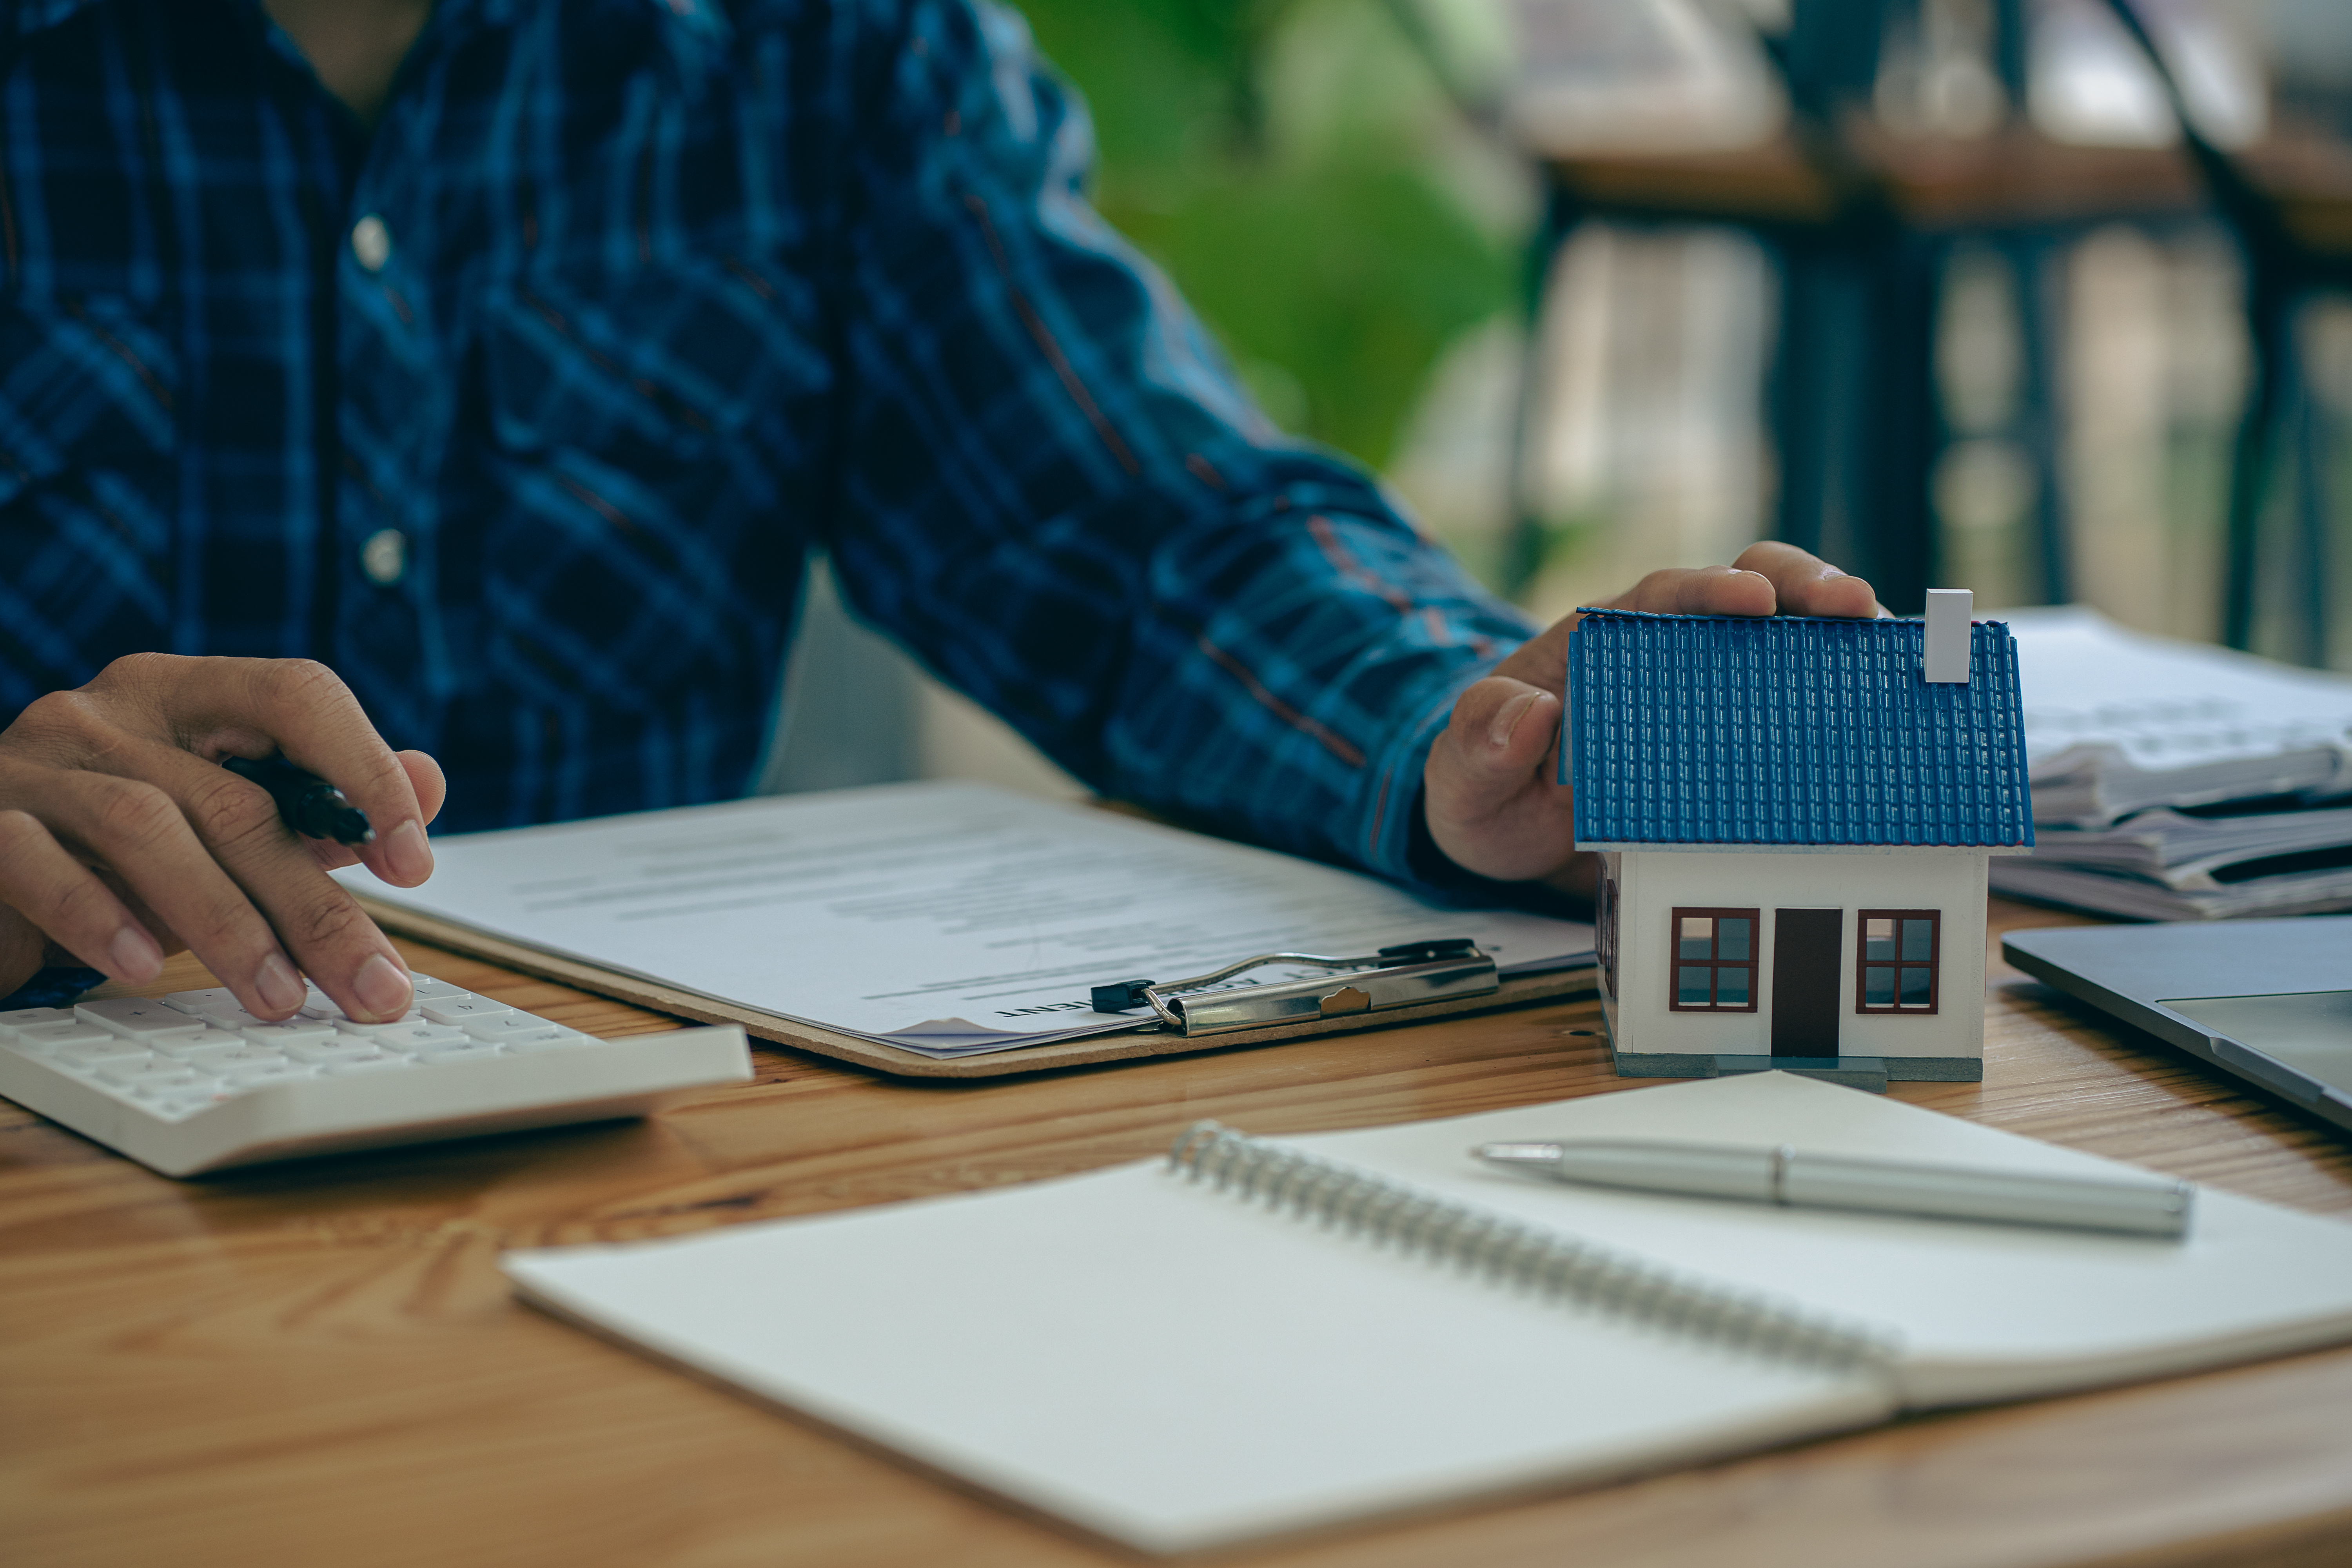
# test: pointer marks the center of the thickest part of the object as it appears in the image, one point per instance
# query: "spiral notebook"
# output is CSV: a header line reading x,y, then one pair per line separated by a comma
x,y
1184,1354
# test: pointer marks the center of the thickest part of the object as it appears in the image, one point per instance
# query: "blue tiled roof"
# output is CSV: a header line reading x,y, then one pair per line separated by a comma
x,y
1732,729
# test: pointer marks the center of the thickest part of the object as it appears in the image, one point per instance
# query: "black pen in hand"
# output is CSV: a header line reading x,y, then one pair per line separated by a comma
x,y
309,804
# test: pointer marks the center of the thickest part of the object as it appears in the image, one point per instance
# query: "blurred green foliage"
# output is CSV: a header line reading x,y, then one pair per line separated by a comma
x,y
1296,168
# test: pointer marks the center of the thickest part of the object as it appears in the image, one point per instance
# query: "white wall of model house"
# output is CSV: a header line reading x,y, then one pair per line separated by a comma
x,y
1650,884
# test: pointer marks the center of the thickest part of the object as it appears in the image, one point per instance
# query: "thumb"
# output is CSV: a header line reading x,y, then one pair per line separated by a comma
x,y
1492,750
1488,799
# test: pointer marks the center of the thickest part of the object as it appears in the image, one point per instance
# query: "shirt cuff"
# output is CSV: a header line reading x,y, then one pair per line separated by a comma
x,y
1398,845
1395,841
53,988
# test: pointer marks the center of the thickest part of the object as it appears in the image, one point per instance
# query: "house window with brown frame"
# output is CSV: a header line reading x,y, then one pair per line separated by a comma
x,y
1897,967
1714,962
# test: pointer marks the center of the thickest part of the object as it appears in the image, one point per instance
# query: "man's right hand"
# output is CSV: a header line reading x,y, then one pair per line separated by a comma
x,y
122,838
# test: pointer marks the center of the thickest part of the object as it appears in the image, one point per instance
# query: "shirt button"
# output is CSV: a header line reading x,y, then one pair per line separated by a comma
x,y
384,556
371,243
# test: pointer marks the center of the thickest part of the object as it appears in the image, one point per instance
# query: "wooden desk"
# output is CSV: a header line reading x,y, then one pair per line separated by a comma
x,y
320,1363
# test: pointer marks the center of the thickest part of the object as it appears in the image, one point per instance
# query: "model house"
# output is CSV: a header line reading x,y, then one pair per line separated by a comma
x,y
1794,816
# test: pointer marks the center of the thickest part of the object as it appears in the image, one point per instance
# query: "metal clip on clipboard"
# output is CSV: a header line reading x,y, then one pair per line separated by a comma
x,y
1401,976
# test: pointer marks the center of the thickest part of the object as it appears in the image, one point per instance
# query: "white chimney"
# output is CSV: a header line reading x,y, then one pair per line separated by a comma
x,y
1948,610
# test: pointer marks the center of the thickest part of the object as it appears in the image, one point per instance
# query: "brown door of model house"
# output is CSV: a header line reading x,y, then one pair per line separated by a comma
x,y
1807,945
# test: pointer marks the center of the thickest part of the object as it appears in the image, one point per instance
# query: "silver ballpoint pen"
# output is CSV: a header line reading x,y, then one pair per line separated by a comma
x,y
2150,1206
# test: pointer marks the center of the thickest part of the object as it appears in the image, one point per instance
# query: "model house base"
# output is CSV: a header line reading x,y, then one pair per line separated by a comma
x,y
1873,1073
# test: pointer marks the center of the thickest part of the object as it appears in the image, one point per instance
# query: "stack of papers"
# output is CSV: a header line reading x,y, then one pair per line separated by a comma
x,y
2116,722
2161,769
2165,866
944,919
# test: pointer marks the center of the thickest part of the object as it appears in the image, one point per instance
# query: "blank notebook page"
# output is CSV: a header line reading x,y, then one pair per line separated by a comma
x,y
1170,1367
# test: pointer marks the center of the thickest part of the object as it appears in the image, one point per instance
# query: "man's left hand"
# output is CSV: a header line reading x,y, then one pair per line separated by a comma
x,y
1493,806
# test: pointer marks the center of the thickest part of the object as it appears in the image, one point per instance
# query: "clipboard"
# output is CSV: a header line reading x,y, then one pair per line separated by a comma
x,y
1151,1037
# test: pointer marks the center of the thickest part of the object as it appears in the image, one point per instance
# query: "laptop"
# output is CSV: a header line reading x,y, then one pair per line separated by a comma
x,y
2263,999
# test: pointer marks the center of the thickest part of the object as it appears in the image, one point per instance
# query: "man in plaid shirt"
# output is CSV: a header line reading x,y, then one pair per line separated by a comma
x,y
382,381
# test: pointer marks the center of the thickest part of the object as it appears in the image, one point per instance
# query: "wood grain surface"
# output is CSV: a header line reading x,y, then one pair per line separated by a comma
x,y
319,1363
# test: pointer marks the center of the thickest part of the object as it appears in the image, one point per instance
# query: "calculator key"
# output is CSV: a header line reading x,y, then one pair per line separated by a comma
x,y
196,1043
235,1017
230,1058
419,1037
184,1043
122,1069
350,1026
425,986
462,1049
510,1026
193,1037
49,1037
462,1010
105,1049
557,1039
321,1006
331,1050
260,1074
369,1061
293,1032
132,1016
201,1001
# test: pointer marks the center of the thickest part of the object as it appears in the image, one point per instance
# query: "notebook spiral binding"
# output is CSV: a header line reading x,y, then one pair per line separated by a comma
x,y
1508,1253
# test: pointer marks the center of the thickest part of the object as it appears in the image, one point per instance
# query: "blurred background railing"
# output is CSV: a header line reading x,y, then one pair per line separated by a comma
x,y
1936,286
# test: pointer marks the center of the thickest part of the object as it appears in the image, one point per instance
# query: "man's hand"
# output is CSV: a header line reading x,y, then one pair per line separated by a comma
x,y
121,835
1492,806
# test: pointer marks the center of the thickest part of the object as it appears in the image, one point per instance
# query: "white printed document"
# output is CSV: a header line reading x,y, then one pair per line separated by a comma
x,y
945,919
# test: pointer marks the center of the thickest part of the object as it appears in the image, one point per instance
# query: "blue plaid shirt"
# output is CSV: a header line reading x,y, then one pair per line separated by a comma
x,y
523,411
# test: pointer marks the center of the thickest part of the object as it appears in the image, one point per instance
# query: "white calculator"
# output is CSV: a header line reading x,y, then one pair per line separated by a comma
x,y
192,1082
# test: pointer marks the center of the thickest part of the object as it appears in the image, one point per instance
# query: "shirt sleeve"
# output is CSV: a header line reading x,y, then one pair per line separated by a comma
x,y
1055,495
